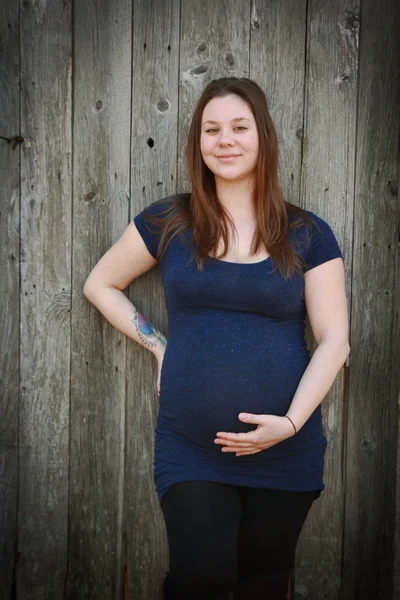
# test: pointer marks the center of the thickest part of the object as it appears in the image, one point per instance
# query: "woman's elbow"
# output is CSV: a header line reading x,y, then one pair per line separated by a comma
x,y
89,288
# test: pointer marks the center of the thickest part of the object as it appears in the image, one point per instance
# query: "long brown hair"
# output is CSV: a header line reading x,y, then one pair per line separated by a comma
x,y
201,209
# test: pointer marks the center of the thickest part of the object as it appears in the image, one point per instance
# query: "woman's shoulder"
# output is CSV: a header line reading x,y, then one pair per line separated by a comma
x,y
322,243
307,221
315,238
154,222
316,218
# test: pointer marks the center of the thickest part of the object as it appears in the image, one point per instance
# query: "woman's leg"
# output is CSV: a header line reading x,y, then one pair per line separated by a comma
x,y
270,527
202,521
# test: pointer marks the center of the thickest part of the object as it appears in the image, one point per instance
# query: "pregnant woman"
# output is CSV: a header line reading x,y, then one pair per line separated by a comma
x,y
239,443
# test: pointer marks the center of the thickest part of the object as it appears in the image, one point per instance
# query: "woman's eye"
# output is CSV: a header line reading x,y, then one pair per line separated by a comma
x,y
238,127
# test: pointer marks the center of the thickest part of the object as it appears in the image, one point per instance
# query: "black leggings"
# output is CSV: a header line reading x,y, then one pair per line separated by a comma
x,y
231,542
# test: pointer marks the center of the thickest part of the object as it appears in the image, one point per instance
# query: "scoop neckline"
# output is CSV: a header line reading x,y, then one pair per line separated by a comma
x,y
229,262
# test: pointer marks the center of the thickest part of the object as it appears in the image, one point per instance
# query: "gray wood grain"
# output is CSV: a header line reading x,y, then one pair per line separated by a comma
x,y
277,63
214,43
102,79
327,189
396,392
9,291
45,299
372,424
153,167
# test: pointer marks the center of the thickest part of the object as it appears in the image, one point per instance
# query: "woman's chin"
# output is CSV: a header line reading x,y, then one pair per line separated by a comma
x,y
231,175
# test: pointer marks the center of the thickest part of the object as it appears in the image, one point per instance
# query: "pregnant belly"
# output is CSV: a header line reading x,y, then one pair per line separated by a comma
x,y
200,396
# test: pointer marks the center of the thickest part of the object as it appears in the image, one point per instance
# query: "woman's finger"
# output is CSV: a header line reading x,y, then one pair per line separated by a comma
x,y
235,443
237,449
249,437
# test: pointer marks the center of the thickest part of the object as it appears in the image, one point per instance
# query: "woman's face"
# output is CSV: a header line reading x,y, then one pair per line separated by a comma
x,y
232,131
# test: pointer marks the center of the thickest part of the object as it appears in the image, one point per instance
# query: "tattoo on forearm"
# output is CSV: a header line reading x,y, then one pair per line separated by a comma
x,y
148,334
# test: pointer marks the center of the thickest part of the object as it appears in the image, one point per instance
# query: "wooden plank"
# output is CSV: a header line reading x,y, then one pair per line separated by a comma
x,y
328,190
278,55
214,43
45,299
102,78
9,291
396,391
374,380
153,167
277,64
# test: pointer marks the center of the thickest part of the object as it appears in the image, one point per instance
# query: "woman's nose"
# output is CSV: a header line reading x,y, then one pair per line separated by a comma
x,y
225,137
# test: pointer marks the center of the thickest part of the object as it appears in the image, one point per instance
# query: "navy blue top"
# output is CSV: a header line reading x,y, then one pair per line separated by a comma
x,y
235,344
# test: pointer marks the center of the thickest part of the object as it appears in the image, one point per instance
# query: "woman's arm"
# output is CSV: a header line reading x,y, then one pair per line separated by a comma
x,y
124,316
124,262
325,298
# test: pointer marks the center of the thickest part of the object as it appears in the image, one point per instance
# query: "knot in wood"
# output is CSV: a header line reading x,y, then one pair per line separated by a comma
x,y
392,188
163,105
199,70
368,445
351,21
90,195
229,59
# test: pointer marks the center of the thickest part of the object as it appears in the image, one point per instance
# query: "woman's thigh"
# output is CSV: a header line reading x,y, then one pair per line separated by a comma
x,y
202,522
271,522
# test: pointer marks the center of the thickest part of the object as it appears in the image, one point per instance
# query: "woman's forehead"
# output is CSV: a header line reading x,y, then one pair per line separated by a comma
x,y
226,108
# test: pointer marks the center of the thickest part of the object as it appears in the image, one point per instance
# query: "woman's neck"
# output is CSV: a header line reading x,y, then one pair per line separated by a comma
x,y
237,199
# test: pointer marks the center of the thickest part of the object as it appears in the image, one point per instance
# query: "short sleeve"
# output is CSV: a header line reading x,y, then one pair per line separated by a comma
x,y
148,231
323,245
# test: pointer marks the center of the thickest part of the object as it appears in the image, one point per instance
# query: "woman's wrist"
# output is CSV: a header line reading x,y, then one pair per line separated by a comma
x,y
292,424
159,348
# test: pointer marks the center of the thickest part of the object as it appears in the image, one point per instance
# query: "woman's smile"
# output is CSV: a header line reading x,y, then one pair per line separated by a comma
x,y
227,157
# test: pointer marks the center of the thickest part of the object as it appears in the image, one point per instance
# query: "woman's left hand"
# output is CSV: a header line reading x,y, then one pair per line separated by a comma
x,y
270,431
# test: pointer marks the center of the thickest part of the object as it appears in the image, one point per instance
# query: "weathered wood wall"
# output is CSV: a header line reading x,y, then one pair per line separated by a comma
x,y
101,95
9,292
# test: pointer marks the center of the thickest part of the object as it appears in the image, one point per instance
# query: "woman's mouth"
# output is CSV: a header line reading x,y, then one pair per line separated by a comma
x,y
227,157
